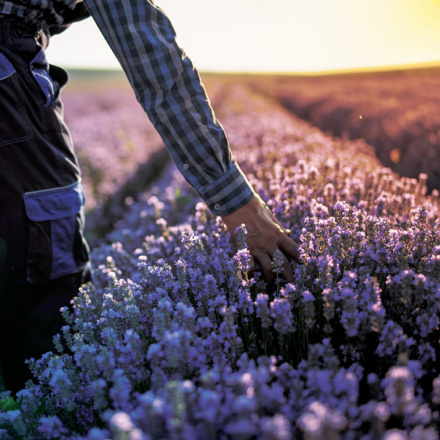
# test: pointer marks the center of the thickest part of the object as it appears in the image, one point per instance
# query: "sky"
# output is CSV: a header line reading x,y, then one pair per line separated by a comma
x,y
279,35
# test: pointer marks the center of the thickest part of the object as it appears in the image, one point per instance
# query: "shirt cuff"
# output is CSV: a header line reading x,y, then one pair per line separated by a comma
x,y
228,193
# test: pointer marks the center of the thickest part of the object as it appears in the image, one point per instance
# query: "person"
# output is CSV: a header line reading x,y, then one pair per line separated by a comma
x,y
43,255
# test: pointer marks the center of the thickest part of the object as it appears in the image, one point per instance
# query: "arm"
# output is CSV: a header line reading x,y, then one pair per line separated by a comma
x,y
169,89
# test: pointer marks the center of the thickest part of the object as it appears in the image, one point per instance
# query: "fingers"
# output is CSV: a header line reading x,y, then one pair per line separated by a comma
x,y
266,256
287,270
265,234
288,246
252,268
266,265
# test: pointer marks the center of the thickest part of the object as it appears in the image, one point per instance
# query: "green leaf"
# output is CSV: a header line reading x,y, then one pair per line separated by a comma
x,y
9,404
41,409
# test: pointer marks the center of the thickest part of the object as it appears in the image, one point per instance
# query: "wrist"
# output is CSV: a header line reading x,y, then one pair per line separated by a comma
x,y
247,214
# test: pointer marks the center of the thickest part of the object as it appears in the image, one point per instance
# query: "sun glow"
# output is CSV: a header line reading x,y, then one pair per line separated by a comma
x,y
430,10
288,35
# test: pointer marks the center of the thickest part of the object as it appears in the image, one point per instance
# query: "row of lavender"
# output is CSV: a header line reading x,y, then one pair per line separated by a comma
x,y
112,137
174,341
396,112
116,146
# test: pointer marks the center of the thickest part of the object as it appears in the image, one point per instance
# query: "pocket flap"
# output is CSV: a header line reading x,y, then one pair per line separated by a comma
x,y
54,203
6,68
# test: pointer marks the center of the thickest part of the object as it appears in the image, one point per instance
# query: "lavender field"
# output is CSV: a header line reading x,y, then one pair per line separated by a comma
x,y
394,111
174,340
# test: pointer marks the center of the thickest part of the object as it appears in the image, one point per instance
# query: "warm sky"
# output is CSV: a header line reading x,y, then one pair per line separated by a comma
x,y
280,35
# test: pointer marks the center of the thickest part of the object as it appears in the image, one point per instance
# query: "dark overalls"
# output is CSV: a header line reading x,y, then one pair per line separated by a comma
x,y
43,254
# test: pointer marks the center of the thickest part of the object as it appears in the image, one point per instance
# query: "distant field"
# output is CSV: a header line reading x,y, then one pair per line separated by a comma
x,y
86,75
397,112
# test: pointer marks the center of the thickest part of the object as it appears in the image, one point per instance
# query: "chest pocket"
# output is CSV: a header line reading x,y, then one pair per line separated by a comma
x,y
14,121
56,243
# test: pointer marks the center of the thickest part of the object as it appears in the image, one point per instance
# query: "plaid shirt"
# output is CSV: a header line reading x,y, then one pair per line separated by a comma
x,y
167,86
43,12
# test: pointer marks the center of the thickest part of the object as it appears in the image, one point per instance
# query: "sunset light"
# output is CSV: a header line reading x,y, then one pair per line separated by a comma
x,y
287,35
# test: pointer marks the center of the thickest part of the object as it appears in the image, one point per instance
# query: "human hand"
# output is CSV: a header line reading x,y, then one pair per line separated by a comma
x,y
265,236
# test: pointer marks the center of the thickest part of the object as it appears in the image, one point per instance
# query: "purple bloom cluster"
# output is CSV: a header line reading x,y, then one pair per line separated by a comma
x,y
174,340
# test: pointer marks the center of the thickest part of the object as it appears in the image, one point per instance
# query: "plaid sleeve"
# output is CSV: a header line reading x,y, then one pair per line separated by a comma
x,y
170,90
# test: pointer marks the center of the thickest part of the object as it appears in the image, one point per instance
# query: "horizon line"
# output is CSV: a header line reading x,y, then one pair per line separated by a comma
x,y
350,70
